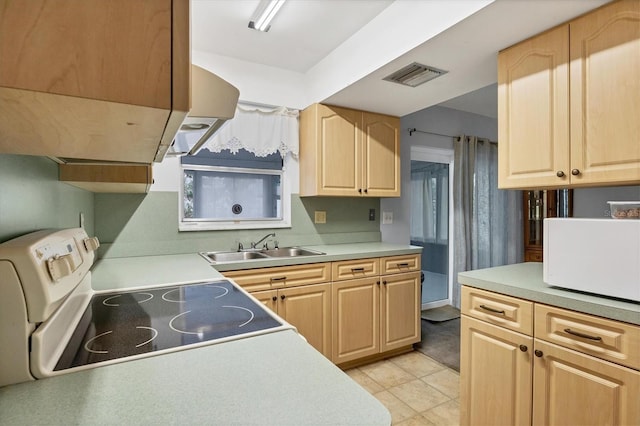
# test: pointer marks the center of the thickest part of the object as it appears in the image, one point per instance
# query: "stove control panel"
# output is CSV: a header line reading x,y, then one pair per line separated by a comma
x,y
50,264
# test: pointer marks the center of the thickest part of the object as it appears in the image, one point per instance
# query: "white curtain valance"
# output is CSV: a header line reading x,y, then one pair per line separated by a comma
x,y
259,130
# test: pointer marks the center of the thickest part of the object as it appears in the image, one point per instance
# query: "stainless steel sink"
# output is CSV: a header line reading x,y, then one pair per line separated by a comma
x,y
233,256
241,256
291,252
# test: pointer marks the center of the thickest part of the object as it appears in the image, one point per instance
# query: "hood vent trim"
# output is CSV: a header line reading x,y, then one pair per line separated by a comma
x,y
414,75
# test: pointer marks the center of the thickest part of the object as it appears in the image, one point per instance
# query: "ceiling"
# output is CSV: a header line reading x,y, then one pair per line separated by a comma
x,y
342,50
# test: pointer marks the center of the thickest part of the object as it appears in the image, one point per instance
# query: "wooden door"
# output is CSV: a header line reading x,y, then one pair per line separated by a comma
x,y
356,319
533,112
495,375
381,155
399,310
330,151
605,87
308,308
269,298
571,388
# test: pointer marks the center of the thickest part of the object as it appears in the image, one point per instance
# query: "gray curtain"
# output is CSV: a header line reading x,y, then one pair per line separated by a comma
x,y
487,221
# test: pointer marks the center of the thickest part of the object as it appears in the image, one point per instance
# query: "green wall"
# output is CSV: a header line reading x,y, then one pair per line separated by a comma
x,y
32,198
140,225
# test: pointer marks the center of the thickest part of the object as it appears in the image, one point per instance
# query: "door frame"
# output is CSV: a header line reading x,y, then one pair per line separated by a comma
x,y
442,156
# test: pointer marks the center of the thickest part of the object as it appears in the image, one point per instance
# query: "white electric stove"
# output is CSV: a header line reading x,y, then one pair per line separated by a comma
x,y
52,322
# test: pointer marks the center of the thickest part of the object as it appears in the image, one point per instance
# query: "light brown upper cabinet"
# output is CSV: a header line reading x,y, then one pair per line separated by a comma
x,y
345,152
93,80
568,103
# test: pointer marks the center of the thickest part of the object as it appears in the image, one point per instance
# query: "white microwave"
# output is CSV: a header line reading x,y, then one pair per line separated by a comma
x,y
600,256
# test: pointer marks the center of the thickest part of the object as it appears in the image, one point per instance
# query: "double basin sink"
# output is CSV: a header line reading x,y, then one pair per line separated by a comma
x,y
241,256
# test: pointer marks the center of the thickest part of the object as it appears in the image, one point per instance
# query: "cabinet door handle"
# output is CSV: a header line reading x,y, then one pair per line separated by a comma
x,y
560,173
360,190
357,269
384,282
495,311
538,353
283,297
278,278
575,172
274,298
523,348
366,190
378,282
402,265
584,336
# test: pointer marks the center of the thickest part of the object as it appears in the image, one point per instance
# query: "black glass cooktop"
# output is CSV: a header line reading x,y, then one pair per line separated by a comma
x,y
117,325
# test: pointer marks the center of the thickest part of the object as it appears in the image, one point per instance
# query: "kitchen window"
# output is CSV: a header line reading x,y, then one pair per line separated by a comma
x,y
226,190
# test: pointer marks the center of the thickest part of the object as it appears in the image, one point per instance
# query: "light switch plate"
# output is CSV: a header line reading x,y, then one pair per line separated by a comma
x,y
320,216
387,218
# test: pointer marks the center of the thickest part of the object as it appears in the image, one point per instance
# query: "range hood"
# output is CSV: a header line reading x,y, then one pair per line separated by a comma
x,y
213,102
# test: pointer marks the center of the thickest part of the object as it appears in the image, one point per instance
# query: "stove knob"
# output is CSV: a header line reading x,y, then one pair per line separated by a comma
x,y
91,244
60,266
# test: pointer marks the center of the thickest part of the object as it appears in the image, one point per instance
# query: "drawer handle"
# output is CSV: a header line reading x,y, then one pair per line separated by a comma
x,y
357,269
402,265
584,336
278,278
495,311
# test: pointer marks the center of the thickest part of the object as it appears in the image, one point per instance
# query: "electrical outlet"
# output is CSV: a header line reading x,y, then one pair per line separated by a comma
x,y
320,216
387,218
81,220
372,214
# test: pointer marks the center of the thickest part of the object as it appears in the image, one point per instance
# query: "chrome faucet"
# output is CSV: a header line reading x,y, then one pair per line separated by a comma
x,y
253,245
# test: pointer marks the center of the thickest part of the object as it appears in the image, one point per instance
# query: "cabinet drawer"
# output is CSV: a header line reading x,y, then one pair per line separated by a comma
x,y
603,338
399,264
505,311
281,276
359,268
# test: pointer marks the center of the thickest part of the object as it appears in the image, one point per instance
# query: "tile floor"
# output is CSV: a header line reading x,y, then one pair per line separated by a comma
x,y
416,389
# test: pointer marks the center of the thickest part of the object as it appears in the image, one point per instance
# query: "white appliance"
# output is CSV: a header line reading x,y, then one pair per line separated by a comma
x,y
600,256
52,322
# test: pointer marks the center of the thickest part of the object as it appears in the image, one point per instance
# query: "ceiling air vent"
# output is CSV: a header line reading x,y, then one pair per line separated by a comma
x,y
414,75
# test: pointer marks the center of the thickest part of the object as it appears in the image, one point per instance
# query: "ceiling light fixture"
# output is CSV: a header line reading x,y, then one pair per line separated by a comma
x,y
264,13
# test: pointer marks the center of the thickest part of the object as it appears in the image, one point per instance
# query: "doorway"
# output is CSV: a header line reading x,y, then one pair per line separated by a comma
x,y
431,221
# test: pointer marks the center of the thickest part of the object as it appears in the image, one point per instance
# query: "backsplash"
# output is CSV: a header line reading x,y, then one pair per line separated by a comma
x,y
141,225
32,198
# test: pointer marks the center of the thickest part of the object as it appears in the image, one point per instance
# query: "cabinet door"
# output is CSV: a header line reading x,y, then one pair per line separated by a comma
x,y
381,155
571,388
495,375
533,112
356,319
400,310
330,151
308,309
605,86
269,298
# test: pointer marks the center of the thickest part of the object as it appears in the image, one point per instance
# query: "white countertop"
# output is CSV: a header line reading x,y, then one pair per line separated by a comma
x,y
273,379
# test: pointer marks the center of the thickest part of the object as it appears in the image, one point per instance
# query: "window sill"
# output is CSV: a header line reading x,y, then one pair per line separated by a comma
x,y
222,226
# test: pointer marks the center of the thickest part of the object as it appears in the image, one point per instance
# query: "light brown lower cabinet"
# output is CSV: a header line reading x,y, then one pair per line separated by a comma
x,y
519,378
571,388
308,308
495,375
352,311
375,315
